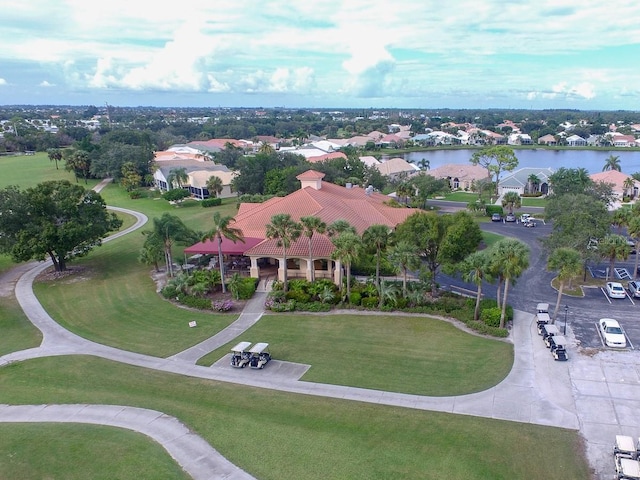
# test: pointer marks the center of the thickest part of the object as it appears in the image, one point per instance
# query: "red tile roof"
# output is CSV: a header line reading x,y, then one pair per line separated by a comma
x,y
326,156
330,203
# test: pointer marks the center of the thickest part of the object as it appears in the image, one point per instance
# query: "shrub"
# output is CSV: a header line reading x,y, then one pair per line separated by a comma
x,y
288,306
135,194
355,298
491,302
247,287
194,302
312,307
211,202
485,329
491,209
491,316
370,302
169,291
176,195
222,305
298,296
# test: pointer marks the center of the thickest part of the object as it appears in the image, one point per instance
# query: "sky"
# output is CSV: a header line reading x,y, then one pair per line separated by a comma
x,y
322,54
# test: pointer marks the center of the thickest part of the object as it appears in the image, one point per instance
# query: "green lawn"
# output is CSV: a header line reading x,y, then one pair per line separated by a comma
x,y
280,436
48,451
29,170
534,202
18,333
113,300
383,352
459,196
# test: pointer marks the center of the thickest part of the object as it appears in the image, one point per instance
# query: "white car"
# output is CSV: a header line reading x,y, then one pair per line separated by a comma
x,y
612,333
616,290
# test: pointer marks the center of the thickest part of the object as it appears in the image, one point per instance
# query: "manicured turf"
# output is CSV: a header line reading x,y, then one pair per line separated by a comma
x,y
48,451
464,197
274,435
18,333
28,170
113,300
534,202
489,238
409,354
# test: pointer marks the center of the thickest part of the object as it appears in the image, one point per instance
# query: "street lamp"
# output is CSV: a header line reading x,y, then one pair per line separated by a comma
x,y
566,310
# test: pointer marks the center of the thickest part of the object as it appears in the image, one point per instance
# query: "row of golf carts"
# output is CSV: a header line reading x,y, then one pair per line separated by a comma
x,y
625,455
555,342
243,355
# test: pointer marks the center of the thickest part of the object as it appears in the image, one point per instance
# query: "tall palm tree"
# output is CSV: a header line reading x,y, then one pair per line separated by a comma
x,y
376,238
168,230
533,182
511,200
628,185
205,155
222,229
568,263
177,177
404,256
286,231
55,155
424,164
340,226
266,149
475,269
310,225
348,247
214,185
512,256
612,247
612,163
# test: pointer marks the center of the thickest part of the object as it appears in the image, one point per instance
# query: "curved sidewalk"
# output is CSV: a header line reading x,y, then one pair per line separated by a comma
x,y
192,453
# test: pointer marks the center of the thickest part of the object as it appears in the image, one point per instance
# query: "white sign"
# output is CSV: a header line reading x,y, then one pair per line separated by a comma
x,y
192,324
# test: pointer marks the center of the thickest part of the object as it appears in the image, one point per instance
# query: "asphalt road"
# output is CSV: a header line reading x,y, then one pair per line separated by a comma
x,y
534,287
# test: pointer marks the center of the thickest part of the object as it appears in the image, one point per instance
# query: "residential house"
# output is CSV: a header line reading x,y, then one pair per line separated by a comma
x,y
547,139
461,176
623,185
198,173
360,207
519,139
369,161
519,180
395,167
576,141
326,156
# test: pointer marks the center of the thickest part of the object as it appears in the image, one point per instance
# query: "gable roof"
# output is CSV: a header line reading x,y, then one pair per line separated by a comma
x,y
613,177
460,171
326,156
520,177
395,166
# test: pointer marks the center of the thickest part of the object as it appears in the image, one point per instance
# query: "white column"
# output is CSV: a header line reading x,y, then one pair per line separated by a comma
x,y
254,270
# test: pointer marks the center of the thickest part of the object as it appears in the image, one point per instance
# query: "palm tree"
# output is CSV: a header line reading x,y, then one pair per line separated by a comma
x,y
568,264
511,200
611,247
286,231
628,185
533,182
340,226
620,218
376,238
387,291
214,185
404,256
311,225
512,257
55,155
633,229
266,149
177,177
612,163
348,247
204,155
404,191
168,230
151,253
424,164
475,269
222,229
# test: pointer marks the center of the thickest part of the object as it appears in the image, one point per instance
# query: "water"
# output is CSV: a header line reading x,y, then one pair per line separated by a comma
x,y
592,160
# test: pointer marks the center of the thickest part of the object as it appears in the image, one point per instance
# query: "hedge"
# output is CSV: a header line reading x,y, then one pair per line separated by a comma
x,y
211,202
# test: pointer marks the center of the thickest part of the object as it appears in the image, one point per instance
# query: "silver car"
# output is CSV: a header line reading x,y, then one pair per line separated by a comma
x,y
634,288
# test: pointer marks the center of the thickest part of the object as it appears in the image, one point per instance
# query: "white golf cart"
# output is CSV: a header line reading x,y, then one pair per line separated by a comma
x,y
240,356
260,355
558,347
625,448
549,331
627,468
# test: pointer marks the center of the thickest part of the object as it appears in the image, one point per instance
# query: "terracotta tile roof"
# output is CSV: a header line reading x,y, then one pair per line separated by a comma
x,y
326,156
322,247
330,203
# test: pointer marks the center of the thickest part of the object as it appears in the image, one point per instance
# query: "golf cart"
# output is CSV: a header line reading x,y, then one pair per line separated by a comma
x,y
558,347
260,355
549,331
240,356
625,448
627,468
527,220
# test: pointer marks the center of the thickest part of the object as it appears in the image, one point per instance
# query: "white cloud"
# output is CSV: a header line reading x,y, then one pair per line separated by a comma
x,y
45,83
2,81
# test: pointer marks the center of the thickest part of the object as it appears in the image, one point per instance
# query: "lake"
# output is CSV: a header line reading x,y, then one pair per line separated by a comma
x,y
592,160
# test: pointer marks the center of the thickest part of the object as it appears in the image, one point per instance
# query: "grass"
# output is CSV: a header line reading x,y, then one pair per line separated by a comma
x,y
39,451
17,332
275,435
113,300
533,202
490,238
29,170
459,196
383,352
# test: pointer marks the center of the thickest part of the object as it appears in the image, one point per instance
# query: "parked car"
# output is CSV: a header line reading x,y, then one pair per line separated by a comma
x,y
496,217
632,246
616,290
510,217
634,288
612,334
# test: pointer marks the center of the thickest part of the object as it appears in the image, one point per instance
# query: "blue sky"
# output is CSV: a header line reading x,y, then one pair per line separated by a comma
x,y
345,53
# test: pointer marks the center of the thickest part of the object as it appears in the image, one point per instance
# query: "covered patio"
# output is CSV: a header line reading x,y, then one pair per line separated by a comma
x,y
233,252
